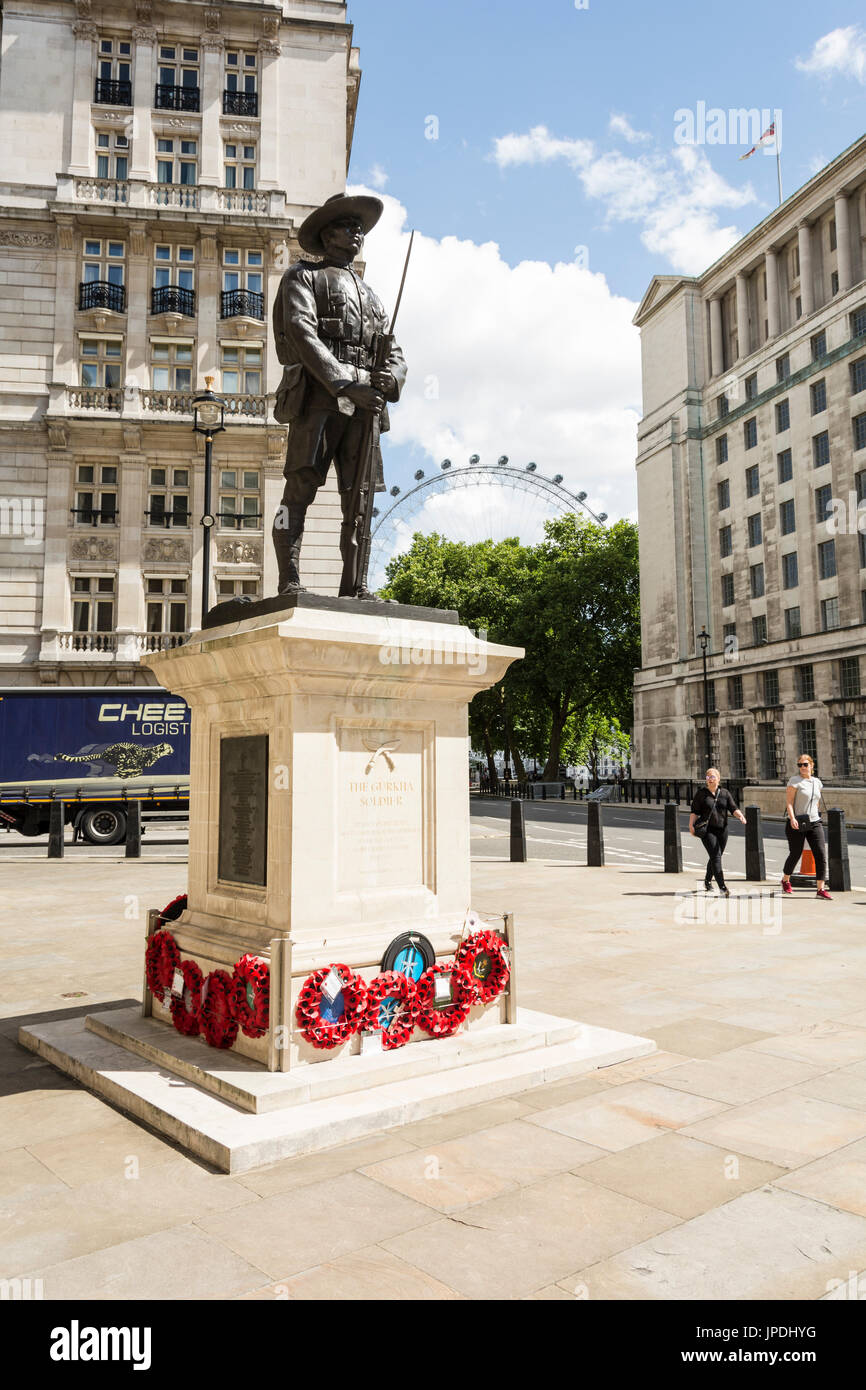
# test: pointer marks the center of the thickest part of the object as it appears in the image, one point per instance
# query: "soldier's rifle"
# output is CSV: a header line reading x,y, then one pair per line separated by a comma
x,y
364,488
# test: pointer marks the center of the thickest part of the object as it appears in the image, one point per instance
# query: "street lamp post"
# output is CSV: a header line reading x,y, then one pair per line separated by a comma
x,y
704,639
208,413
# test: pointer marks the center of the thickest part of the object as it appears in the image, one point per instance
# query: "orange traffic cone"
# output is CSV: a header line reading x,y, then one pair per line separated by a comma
x,y
807,863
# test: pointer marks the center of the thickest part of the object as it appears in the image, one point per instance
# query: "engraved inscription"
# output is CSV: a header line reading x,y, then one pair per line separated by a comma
x,y
380,810
243,810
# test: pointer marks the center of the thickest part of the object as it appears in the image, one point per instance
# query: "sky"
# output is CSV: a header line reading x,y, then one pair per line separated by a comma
x,y
552,159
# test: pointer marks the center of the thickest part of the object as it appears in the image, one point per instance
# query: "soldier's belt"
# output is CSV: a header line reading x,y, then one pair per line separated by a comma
x,y
346,352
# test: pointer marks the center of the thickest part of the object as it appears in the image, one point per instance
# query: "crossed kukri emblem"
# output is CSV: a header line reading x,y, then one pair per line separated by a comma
x,y
377,751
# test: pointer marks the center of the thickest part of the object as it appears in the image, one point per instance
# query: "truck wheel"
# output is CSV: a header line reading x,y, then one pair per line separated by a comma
x,y
103,826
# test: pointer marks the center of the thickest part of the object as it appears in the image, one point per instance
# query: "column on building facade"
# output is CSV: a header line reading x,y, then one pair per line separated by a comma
x,y
56,600
210,326
774,307
717,351
269,114
138,303
743,338
807,291
86,33
210,167
65,302
130,620
843,242
143,87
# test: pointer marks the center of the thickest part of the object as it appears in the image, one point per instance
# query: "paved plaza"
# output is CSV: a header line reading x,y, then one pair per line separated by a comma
x,y
730,1164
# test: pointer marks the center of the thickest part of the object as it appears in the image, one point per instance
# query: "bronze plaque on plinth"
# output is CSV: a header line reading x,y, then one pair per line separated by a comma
x,y
243,810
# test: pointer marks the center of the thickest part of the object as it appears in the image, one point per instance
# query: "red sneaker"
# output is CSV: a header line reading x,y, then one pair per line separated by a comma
x,y
822,893
786,886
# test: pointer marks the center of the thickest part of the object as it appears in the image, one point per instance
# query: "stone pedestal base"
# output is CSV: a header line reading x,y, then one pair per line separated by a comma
x,y
238,1118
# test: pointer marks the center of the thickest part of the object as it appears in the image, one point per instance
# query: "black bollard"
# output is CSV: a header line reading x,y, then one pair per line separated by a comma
x,y
755,868
594,836
56,821
518,833
839,878
133,830
673,843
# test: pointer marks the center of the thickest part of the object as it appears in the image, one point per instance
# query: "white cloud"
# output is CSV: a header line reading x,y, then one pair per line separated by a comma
x,y
674,196
841,51
621,125
378,177
535,361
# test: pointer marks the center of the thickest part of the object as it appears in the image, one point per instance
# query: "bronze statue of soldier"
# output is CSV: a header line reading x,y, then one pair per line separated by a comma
x,y
340,367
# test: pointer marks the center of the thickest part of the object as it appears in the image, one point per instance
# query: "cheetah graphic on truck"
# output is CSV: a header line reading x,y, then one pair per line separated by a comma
x,y
127,759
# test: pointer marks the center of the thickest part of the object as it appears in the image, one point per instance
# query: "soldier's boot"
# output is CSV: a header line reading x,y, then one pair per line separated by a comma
x,y
287,543
352,584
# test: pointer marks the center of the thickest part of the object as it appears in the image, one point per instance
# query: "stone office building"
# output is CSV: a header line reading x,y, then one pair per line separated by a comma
x,y
157,158
751,467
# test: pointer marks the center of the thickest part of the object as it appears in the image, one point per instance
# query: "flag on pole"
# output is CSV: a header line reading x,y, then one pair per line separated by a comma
x,y
768,136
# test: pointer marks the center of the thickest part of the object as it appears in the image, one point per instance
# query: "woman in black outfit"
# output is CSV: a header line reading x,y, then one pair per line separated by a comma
x,y
709,822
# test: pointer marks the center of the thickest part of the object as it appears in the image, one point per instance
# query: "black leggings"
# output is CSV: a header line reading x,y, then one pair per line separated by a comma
x,y
796,840
714,843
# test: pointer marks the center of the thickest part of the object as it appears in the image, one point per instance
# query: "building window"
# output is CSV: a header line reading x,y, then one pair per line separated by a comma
x,y
823,502
711,697
798,307
787,517
821,448
790,570
859,423
166,601
114,73
112,155
242,283
834,283
725,541
818,396
735,692
849,677
804,684
95,495
236,588
738,751
829,614
843,730
783,366
831,227
792,622
863,606
173,280
727,590
858,322
723,405
240,166
724,495
177,87
168,497
858,376
771,687
750,433
177,161
807,741
827,560
785,466
861,537
240,97
767,748
755,530
101,361
722,449
171,366
756,581
759,630
753,481
729,636
241,370
93,603
819,346
240,499
102,270
752,387
783,416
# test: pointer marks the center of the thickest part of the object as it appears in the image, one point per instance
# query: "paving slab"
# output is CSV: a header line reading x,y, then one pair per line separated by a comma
x,y
625,1115
371,1273
787,1128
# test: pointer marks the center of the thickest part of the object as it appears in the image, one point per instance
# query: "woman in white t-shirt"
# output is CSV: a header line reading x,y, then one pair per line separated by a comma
x,y
803,824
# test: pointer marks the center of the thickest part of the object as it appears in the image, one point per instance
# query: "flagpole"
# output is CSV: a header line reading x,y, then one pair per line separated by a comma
x,y
779,167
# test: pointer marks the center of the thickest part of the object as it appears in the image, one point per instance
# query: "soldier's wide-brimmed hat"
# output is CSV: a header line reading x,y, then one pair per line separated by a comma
x,y
366,208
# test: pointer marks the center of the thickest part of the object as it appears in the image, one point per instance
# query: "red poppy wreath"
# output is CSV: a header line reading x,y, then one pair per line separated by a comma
x,y
484,956
399,1021
439,1023
251,984
186,1006
161,959
218,1024
328,1033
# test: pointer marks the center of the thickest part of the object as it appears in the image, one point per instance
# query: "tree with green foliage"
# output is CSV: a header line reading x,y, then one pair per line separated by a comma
x,y
587,740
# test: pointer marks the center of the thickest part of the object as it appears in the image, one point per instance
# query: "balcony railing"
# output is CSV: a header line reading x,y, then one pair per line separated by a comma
x,y
256,406
247,303
87,641
171,299
240,520
240,103
102,190
241,200
173,195
95,516
113,93
160,517
167,402
102,294
94,397
160,641
173,98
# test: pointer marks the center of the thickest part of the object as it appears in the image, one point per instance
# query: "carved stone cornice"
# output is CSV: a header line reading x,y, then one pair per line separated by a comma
x,y
137,240
85,29
144,11
269,48
212,21
144,33
58,434
212,43
26,239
